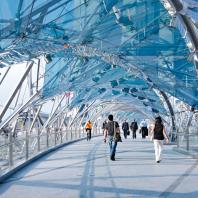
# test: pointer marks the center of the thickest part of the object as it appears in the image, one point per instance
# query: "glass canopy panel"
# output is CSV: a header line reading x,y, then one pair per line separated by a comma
x,y
103,48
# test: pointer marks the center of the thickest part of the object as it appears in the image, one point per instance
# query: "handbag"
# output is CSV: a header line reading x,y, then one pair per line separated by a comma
x,y
117,137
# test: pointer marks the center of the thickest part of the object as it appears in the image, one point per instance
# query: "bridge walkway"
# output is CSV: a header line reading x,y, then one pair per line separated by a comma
x,y
84,170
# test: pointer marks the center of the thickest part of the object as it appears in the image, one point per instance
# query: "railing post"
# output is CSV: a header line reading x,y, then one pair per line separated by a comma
x,y
71,137
177,137
54,131
11,132
61,135
38,139
66,133
188,132
27,144
76,131
29,128
10,149
80,132
47,137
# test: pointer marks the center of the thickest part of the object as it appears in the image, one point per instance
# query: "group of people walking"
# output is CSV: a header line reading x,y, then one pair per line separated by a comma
x,y
134,127
158,134
111,132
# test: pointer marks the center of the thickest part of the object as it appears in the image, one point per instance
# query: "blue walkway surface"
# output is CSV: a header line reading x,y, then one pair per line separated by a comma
x,y
84,170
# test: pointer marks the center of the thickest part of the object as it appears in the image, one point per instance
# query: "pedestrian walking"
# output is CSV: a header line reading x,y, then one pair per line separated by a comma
x,y
158,135
134,128
144,129
125,128
112,130
103,126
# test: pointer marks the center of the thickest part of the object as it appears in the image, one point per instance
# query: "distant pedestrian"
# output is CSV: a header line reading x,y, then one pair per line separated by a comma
x,y
144,129
88,128
104,126
134,128
125,128
112,127
158,135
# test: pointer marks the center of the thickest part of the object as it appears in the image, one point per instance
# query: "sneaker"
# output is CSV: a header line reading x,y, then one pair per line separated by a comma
x,y
158,161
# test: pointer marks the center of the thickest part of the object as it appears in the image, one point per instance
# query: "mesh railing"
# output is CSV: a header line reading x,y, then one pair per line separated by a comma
x,y
15,150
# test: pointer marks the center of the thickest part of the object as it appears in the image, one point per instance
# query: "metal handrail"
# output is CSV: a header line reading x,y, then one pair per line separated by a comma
x,y
19,154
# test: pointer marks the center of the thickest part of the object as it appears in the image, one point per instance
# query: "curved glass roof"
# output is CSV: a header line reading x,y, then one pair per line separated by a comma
x,y
106,50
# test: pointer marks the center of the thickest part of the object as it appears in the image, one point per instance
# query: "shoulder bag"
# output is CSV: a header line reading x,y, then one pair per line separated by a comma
x,y
117,137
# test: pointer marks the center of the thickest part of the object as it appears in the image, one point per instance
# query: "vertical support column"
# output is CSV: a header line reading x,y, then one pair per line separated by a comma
x,y
55,133
91,115
61,128
11,132
76,132
32,125
66,134
38,71
47,137
80,125
79,131
188,132
29,126
38,139
10,149
61,135
71,132
27,136
96,129
26,144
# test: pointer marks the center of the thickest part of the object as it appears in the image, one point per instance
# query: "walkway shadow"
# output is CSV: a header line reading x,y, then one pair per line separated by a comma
x,y
117,192
86,187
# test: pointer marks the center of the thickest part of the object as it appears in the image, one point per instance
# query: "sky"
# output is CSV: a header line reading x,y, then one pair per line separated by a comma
x,y
10,82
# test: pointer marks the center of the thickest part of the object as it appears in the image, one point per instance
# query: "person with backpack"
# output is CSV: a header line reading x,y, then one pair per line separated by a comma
x,y
125,128
134,128
112,127
158,135
88,128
